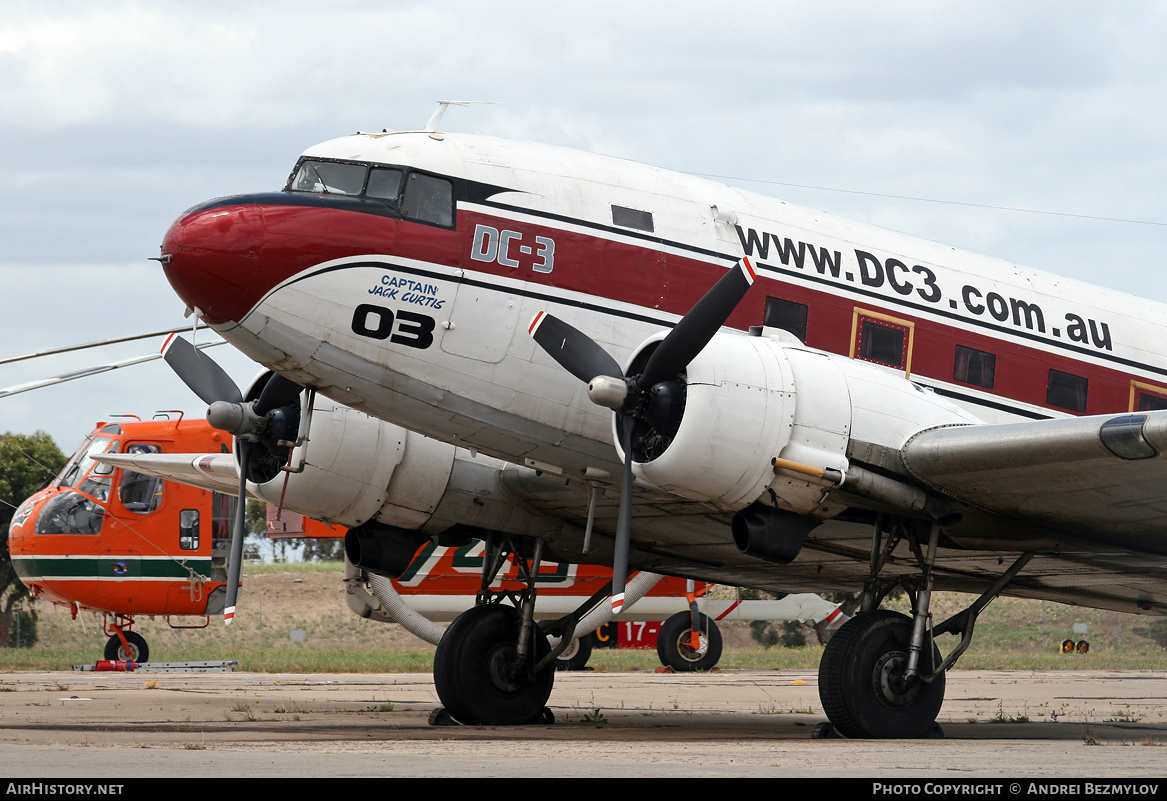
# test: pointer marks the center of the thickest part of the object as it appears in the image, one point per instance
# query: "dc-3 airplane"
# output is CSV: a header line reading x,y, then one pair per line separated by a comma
x,y
676,376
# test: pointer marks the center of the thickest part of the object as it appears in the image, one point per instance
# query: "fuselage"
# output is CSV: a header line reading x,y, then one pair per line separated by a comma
x,y
397,272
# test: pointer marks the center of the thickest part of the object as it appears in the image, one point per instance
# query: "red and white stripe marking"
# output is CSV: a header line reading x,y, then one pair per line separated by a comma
x,y
747,268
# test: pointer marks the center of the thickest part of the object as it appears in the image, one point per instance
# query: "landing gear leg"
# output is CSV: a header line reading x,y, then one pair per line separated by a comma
x,y
491,666
878,675
881,674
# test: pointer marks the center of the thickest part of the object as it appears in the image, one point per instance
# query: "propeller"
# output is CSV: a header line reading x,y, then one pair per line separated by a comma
x,y
259,427
649,404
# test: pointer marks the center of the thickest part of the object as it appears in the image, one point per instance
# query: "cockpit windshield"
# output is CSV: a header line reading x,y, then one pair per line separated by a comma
x,y
329,177
398,192
82,462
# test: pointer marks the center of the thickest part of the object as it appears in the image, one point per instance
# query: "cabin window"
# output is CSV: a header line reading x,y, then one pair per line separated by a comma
x,y
138,493
1151,403
787,315
222,516
974,367
1066,391
429,199
880,338
631,218
188,529
1147,397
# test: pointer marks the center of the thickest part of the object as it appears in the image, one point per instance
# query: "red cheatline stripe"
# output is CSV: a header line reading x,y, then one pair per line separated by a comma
x,y
732,607
535,322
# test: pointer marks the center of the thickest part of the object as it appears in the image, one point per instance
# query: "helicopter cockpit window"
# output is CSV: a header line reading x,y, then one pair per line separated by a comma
x,y
76,472
329,177
70,512
138,493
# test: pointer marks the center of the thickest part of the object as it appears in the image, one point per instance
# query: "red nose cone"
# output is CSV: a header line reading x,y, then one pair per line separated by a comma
x,y
214,261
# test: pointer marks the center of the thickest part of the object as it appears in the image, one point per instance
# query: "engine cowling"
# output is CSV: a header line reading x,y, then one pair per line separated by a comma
x,y
749,399
354,468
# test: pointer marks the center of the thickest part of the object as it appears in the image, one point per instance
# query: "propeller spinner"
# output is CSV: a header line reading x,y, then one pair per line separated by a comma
x,y
651,402
253,423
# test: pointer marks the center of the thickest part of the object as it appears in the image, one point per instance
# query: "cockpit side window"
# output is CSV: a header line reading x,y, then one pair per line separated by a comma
x,y
138,493
384,184
429,199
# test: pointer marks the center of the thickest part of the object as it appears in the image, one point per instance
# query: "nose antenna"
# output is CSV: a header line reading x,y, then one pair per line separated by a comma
x,y
432,125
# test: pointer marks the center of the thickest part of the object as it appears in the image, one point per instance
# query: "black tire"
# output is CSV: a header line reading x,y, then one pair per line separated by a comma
x,y
139,651
672,643
577,654
475,670
859,680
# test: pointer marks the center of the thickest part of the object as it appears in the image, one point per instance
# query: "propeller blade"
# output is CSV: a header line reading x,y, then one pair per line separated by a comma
x,y
575,351
199,372
624,518
235,563
277,392
698,326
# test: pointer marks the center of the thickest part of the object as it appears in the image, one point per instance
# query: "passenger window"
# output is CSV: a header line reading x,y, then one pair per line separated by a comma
x,y
1147,397
188,529
787,315
877,337
974,367
1066,391
429,199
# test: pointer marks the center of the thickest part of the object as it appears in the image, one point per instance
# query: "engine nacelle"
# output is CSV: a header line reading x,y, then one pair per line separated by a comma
x,y
354,469
749,399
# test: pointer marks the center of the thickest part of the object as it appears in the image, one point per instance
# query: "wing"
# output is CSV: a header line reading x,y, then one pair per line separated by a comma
x,y
1095,479
216,472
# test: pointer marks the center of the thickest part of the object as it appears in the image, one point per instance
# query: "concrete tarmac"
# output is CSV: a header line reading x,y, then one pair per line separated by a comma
x,y
997,724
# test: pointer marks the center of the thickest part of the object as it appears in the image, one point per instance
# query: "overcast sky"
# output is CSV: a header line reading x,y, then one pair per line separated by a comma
x,y
117,116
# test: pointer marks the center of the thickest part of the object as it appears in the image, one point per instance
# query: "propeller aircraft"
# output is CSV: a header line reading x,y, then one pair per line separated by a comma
x,y
584,359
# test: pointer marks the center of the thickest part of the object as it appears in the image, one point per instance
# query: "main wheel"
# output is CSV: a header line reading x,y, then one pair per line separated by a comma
x,y
862,685
139,651
479,675
673,643
576,656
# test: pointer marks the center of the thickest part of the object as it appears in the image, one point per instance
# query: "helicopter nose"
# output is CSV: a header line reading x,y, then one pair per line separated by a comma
x,y
211,256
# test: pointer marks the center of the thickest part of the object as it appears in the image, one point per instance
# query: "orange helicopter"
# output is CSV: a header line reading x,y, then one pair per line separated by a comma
x,y
113,541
